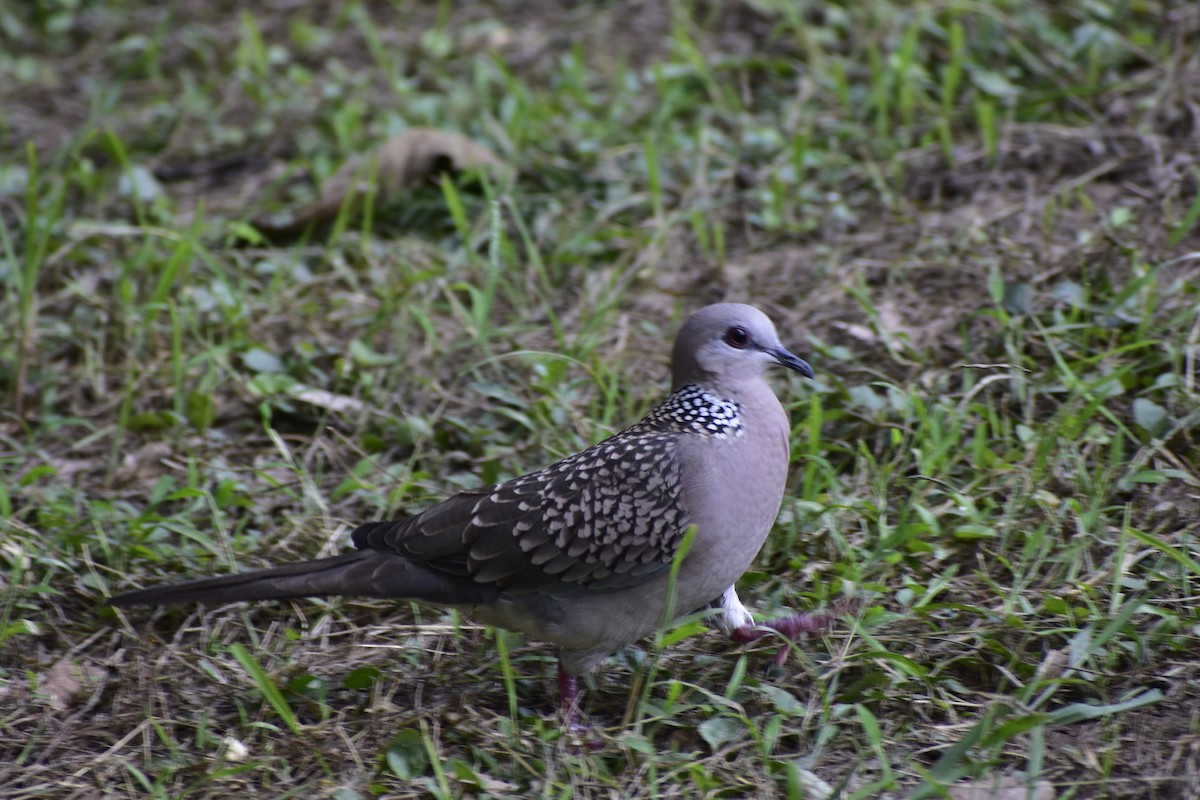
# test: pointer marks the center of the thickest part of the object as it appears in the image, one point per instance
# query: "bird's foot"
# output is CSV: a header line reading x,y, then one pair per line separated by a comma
x,y
789,627
792,626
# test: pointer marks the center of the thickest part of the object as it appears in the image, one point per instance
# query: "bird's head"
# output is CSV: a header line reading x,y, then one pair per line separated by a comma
x,y
727,344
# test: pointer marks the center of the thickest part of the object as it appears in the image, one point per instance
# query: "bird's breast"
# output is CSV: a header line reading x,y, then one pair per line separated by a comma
x,y
733,489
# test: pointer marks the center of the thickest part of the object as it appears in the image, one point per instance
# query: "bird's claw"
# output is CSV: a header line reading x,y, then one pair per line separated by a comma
x,y
789,627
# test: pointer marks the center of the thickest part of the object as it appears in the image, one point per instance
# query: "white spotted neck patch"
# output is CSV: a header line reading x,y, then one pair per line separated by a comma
x,y
697,410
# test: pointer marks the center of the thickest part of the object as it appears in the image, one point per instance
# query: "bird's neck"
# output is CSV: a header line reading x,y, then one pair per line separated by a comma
x,y
695,409
754,400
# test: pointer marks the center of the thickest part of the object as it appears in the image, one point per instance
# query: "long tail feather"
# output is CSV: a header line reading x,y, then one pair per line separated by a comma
x,y
362,573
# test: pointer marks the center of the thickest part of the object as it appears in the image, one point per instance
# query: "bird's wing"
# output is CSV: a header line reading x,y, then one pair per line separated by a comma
x,y
609,517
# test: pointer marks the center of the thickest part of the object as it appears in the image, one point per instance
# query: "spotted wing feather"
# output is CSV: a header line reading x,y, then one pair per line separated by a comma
x,y
605,518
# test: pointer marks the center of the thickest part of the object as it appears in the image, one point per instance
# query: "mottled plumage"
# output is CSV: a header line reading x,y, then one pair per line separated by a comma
x,y
578,552
604,518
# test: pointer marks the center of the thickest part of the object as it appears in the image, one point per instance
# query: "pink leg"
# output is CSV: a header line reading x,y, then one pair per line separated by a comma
x,y
568,696
789,627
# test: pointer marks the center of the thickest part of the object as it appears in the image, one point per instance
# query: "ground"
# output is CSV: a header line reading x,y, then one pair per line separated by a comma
x,y
979,222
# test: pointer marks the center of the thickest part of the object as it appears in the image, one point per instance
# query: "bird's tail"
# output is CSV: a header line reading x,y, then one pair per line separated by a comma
x,y
362,573
351,573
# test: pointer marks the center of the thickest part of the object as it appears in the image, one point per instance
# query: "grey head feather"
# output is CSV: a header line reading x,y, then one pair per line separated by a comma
x,y
728,346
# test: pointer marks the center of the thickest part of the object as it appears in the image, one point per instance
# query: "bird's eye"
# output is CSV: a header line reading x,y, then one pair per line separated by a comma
x,y
737,337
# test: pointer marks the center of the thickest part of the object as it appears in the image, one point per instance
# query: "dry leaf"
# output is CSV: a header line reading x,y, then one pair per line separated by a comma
x,y
860,332
338,403
59,684
1002,789
143,466
404,161
234,749
67,469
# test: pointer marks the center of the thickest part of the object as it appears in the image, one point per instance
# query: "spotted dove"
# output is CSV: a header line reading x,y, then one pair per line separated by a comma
x,y
579,553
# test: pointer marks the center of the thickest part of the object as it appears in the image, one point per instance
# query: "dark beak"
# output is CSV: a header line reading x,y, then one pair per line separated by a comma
x,y
791,361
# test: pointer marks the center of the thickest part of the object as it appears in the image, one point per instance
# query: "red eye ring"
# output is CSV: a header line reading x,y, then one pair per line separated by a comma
x,y
737,337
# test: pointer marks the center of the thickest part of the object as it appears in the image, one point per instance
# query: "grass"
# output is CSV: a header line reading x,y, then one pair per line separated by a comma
x,y
978,222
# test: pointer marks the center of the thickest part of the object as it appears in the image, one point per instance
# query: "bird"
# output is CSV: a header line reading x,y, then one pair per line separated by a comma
x,y
579,554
